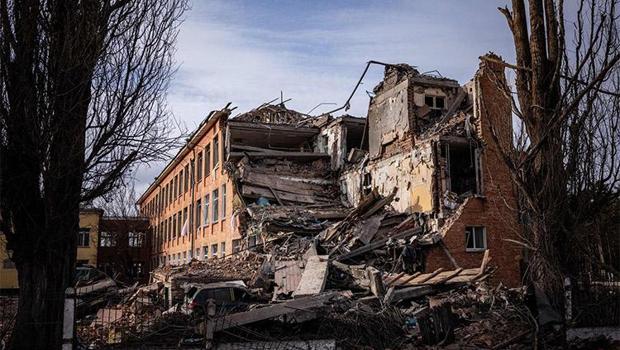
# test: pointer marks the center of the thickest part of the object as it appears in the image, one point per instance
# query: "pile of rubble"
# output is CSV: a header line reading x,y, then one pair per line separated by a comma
x,y
320,273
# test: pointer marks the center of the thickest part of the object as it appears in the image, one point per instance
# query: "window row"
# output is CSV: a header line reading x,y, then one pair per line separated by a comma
x,y
110,239
206,159
207,251
206,210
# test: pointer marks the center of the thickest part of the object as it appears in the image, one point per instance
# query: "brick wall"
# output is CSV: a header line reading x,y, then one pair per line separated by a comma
x,y
497,209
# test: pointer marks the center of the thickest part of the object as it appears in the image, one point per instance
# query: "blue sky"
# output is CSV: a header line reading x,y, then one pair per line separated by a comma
x,y
246,52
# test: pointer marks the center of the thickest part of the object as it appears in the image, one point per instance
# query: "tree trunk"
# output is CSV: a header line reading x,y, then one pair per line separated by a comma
x,y
42,284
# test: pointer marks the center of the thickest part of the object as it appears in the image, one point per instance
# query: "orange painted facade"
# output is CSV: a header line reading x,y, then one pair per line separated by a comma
x,y
183,226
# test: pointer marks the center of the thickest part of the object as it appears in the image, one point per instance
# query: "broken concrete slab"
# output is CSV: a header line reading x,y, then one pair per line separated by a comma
x,y
314,277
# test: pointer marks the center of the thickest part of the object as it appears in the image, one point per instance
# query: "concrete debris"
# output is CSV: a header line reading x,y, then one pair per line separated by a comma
x,y
375,232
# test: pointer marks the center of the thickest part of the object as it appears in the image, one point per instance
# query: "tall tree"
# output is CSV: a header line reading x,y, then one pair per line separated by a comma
x,y
566,166
82,100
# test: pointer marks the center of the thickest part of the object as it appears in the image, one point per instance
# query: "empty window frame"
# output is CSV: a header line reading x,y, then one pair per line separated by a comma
x,y
435,102
236,246
475,238
223,249
214,250
462,161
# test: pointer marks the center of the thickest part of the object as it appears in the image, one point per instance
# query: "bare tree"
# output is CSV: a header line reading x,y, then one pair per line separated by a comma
x,y
120,202
566,165
82,100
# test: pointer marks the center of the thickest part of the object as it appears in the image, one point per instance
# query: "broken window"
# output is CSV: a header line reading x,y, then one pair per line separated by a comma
x,y
435,102
475,238
236,246
461,161
83,237
205,252
367,184
222,249
214,250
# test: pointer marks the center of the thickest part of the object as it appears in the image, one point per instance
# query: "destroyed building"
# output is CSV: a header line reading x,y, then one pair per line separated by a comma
x,y
427,144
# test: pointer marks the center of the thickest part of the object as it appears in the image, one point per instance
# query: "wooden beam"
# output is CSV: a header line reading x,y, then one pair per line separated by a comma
x,y
429,276
409,279
379,243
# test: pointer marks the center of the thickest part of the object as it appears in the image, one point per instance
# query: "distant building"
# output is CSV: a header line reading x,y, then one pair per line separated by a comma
x,y
88,236
124,248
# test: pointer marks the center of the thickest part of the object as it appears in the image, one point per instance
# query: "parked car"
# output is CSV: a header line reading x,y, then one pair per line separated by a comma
x,y
226,296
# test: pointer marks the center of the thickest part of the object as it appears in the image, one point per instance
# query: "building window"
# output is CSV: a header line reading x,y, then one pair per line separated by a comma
x,y
8,264
205,210
216,151
186,179
184,256
207,160
475,238
184,227
175,186
223,201
136,239
435,102
205,252
192,177
215,197
199,167
214,250
179,223
198,220
107,239
223,249
83,237
236,246
197,254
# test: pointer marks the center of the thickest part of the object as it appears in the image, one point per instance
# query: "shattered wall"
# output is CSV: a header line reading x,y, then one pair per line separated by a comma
x,y
388,118
333,141
412,173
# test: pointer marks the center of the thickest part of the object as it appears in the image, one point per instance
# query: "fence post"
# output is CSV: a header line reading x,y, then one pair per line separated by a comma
x,y
68,324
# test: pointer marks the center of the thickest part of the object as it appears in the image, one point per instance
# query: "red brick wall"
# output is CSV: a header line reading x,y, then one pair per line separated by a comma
x,y
497,210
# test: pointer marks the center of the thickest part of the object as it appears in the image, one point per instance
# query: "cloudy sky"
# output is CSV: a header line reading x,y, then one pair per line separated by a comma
x,y
247,52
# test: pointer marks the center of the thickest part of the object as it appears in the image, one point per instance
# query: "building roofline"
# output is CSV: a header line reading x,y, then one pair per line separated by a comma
x,y
202,129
